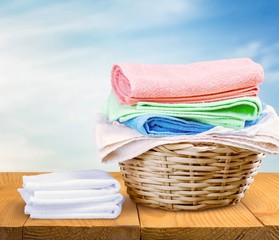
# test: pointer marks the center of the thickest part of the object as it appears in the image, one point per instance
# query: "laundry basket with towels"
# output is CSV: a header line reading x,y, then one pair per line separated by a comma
x,y
187,137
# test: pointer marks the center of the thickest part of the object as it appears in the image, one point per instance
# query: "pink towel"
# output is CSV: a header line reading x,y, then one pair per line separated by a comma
x,y
196,82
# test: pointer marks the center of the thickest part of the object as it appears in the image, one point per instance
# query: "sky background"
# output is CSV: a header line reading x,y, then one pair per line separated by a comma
x,y
56,57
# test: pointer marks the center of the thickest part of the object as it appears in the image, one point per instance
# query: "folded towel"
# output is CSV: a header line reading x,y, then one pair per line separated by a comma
x,y
68,215
102,210
64,194
76,194
75,202
161,125
251,128
76,180
195,82
96,208
256,121
230,113
117,143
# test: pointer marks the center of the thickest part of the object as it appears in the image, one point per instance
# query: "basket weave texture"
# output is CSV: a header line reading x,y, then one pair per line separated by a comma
x,y
187,176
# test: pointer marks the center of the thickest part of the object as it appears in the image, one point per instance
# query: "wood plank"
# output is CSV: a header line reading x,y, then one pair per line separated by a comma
x,y
231,222
126,226
262,199
12,217
12,180
9,180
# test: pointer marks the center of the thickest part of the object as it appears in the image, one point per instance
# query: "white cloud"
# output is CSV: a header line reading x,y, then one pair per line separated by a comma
x,y
250,50
18,155
265,54
117,17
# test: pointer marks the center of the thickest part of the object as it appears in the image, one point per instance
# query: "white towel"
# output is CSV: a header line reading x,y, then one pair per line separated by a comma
x,y
75,180
117,143
68,198
60,194
106,207
92,215
76,194
98,210
115,198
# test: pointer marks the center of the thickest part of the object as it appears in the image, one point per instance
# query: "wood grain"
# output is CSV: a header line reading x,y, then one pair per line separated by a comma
x,y
255,217
12,217
262,199
126,226
232,222
12,180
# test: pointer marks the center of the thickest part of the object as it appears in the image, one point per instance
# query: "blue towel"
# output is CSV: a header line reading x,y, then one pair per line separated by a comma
x,y
162,125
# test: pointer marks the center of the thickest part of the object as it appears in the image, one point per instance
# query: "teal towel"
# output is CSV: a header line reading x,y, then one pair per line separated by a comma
x,y
230,113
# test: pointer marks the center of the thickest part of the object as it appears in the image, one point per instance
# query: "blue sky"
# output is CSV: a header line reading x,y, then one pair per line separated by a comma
x,y
56,56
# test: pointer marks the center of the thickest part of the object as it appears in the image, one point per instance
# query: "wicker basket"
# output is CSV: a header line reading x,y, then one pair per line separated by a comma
x,y
190,176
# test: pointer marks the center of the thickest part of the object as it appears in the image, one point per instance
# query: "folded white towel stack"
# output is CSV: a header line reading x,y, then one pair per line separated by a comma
x,y
77,194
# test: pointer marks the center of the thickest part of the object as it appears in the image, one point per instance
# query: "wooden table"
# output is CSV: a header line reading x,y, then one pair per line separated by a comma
x,y
255,217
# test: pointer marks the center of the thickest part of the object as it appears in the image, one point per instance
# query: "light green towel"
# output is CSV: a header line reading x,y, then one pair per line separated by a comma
x,y
230,113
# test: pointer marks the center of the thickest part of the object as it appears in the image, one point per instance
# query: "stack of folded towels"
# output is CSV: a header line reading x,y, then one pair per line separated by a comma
x,y
214,102
78,194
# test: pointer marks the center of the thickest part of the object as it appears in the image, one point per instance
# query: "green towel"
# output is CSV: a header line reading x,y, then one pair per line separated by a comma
x,y
230,113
